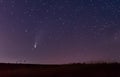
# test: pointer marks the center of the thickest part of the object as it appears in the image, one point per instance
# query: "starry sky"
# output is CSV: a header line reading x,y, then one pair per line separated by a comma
x,y
59,31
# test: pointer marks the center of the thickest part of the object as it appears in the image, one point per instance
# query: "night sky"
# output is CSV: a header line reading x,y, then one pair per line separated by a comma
x,y
59,31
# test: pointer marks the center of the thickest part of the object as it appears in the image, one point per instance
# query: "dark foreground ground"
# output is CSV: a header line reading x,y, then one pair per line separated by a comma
x,y
70,70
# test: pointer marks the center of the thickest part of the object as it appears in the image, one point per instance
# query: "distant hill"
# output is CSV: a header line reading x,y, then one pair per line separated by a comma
x,y
65,70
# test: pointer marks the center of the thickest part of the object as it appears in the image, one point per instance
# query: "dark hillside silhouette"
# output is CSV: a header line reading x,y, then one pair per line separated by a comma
x,y
67,70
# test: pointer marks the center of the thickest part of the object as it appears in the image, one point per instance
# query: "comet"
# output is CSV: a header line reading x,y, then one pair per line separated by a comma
x,y
35,45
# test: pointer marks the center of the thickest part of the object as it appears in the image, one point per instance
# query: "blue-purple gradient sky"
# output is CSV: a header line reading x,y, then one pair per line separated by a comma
x,y
59,31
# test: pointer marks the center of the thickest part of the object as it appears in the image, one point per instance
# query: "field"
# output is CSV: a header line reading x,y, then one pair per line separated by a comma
x,y
67,70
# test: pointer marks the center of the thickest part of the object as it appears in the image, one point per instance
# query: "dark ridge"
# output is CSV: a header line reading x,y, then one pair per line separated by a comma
x,y
63,70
